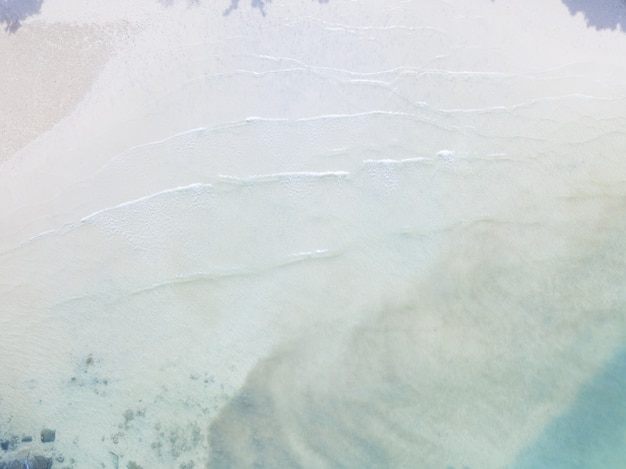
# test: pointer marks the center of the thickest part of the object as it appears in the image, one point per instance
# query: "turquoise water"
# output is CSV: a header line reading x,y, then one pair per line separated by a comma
x,y
325,238
592,431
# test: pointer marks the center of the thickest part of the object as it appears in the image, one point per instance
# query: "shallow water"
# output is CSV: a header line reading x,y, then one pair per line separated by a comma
x,y
324,238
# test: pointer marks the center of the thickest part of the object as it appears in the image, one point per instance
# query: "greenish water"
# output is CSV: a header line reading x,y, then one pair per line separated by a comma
x,y
592,432
338,236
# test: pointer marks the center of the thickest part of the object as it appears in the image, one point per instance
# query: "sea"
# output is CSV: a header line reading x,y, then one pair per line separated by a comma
x,y
323,235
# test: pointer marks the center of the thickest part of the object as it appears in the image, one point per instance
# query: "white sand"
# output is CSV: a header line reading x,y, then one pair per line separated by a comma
x,y
340,235
47,70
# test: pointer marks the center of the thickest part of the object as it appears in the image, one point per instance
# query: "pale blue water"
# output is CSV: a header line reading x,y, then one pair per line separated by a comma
x,y
335,236
591,432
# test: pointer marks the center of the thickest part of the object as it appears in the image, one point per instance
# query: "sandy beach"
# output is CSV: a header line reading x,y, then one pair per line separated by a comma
x,y
313,234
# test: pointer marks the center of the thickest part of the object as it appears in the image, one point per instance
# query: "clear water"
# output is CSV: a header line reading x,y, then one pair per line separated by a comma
x,y
325,238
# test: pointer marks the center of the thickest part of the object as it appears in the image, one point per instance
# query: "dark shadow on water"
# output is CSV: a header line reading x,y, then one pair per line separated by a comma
x,y
13,12
600,14
258,4
592,432
234,4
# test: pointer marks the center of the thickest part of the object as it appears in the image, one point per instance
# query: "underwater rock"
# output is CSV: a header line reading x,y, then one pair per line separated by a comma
x,y
32,462
47,435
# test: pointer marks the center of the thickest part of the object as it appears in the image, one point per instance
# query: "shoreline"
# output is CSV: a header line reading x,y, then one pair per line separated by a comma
x,y
276,224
